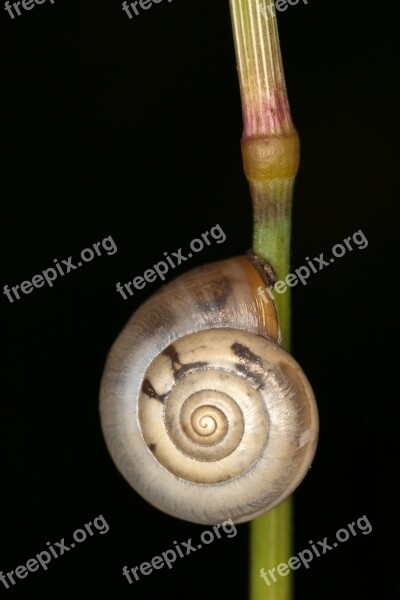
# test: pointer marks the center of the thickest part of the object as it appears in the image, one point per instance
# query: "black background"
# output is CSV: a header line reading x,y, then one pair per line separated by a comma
x,y
131,128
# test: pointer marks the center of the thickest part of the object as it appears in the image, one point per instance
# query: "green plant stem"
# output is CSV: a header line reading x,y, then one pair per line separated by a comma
x,y
271,238
271,534
271,545
270,149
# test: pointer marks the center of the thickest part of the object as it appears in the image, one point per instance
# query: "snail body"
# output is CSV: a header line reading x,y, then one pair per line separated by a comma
x,y
203,412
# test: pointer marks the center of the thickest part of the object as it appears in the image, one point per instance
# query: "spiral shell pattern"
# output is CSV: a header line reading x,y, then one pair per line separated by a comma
x,y
208,419
211,425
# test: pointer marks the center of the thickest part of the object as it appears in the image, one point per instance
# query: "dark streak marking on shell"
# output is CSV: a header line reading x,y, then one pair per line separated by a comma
x,y
250,364
214,294
152,447
220,289
148,389
172,355
191,367
178,368
246,355
256,377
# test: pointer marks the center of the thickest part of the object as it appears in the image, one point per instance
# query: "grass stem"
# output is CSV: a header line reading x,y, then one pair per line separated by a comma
x,y
271,154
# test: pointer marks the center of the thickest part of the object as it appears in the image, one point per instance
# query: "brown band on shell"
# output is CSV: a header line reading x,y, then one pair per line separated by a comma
x,y
249,364
181,369
220,290
149,390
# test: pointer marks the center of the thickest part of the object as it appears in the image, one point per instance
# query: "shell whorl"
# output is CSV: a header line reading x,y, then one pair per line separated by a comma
x,y
203,412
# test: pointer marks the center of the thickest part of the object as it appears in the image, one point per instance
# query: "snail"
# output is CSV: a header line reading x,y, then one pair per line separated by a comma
x,y
203,412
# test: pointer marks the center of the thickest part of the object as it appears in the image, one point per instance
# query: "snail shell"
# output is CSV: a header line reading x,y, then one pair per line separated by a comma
x,y
204,414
